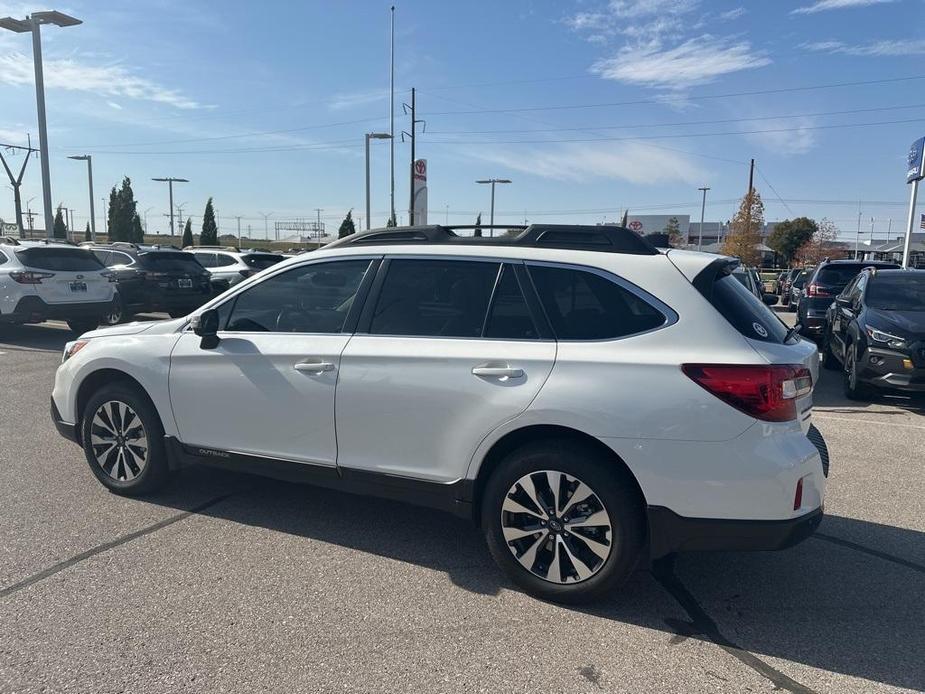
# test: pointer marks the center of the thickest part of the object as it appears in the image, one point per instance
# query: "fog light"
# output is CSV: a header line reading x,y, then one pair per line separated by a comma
x,y
907,363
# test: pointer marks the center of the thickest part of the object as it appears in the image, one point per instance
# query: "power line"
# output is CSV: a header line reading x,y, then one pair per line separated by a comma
x,y
764,178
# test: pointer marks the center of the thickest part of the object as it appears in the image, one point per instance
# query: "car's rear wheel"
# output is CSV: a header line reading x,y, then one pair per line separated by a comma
x,y
123,440
117,314
80,326
563,522
854,389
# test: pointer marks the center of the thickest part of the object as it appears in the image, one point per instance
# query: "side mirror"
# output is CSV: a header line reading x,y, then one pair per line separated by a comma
x,y
842,301
205,325
769,299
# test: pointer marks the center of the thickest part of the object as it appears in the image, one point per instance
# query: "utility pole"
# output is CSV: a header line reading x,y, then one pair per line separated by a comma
x,y
857,237
318,227
70,227
392,111
16,181
414,121
266,229
748,210
703,208
170,181
492,181
105,215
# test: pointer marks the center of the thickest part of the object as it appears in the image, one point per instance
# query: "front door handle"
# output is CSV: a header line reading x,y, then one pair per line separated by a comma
x,y
497,372
315,367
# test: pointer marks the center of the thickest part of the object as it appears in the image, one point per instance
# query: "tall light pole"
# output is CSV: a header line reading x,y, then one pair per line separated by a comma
x,y
372,136
87,158
493,181
266,229
703,208
170,181
33,23
105,215
391,113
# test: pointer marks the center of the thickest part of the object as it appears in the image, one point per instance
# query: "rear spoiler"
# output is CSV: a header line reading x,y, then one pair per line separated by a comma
x,y
706,278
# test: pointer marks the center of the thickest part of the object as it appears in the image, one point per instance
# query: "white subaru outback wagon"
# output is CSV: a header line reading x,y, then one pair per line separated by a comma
x,y
588,400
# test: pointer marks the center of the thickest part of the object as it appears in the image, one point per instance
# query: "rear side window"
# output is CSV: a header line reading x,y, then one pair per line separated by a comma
x,y
509,316
434,298
222,260
583,305
205,259
261,261
118,258
60,259
102,256
745,311
171,262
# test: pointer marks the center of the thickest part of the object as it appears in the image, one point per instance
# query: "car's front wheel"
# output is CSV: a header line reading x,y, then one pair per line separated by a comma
x,y
854,389
123,440
563,522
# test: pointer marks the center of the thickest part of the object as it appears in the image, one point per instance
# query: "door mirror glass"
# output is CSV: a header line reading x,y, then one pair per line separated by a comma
x,y
205,325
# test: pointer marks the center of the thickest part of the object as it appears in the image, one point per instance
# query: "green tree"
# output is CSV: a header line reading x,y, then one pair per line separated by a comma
x,y
138,232
391,223
673,232
209,235
790,235
122,212
745,230
187,234
478,226
87,235
60,228
347,227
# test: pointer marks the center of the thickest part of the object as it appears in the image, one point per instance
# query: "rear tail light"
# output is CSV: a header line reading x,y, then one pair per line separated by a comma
x,y
30,277
766,392
816,290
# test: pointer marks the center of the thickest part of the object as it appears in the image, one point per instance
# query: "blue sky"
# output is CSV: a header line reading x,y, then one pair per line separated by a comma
x,y
588,106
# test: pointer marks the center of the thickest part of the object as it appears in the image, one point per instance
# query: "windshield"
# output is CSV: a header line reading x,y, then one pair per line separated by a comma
x,y
261,261
171,261
897,292
801,279
60,259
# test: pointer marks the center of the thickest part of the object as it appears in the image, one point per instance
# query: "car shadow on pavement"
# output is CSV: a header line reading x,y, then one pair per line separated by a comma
x,y
828,396
849,600
49,338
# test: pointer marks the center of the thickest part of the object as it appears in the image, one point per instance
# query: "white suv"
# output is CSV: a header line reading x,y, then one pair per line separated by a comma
x,y
229,266
42,280
588,400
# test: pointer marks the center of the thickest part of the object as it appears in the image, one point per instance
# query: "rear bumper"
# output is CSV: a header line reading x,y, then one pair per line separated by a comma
x,y
34,309
669,532
67,430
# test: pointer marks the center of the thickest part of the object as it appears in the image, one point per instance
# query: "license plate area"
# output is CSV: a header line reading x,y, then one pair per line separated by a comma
x,y
78,287
185,283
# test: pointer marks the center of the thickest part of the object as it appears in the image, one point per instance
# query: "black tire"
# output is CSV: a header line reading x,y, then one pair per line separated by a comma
x,y
79,326
854,389
145,478
116,314
828,360
614,490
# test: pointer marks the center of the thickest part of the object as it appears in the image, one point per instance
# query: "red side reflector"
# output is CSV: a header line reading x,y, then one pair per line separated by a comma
x,y
798,497
766,392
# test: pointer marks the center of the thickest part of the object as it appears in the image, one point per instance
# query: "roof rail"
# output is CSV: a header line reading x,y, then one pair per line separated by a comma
x,y
213,248
607,239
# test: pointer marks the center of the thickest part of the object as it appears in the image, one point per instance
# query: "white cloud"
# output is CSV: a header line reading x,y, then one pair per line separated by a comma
x,y
345,100
627,161
644,8
889,47
587,20
13,135
733,14
113,104
824,5
696,61
107,80
788,141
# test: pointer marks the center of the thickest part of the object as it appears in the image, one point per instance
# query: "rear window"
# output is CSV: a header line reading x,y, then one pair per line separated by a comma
x,y
60,259
841,274
897,292
745,311
171,262
261,261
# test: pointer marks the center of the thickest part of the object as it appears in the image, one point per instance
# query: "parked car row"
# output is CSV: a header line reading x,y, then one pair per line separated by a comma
x,y
95,284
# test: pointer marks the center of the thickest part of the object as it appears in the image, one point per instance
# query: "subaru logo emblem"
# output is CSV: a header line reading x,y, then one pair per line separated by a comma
x,y
760,329
80,277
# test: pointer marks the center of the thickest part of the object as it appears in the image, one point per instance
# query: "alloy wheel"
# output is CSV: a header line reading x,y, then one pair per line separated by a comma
x,y
119,440
556,527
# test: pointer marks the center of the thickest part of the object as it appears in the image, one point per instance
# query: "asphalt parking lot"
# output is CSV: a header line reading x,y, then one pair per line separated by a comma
x,y
229,583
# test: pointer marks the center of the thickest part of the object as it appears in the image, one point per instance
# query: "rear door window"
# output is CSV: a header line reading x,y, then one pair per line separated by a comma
x,y
60,259
205,259
745,311
434,298
584,305
222,260
509,317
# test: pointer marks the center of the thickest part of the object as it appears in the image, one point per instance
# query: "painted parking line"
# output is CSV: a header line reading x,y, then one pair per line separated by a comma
x,y
868,421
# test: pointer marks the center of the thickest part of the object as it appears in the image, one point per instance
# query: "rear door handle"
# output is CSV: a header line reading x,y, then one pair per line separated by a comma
x,y
497,372
315,367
